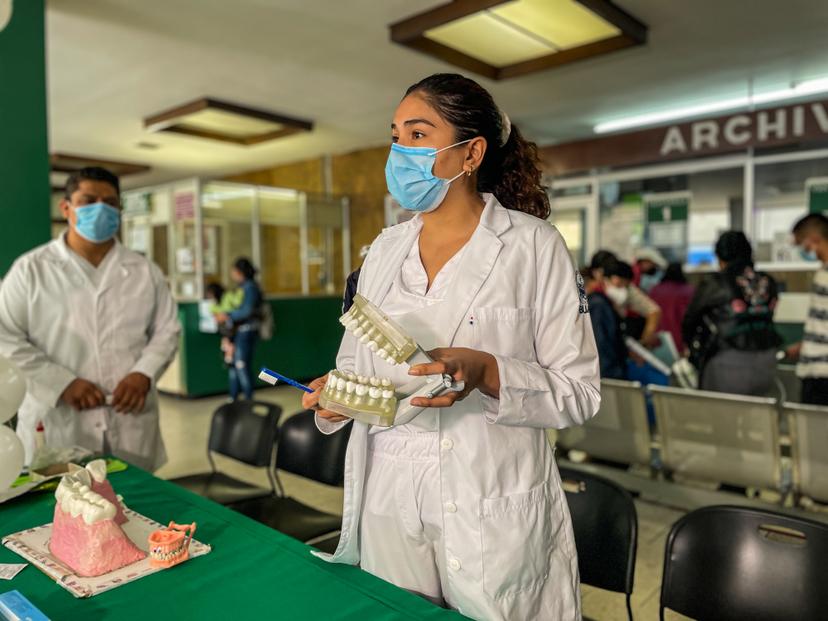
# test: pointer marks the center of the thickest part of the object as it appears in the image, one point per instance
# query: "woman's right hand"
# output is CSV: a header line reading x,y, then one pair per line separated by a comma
x,y
310,401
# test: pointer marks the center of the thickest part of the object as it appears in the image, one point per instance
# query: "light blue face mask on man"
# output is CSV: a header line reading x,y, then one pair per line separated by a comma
x,y
410,179
97,222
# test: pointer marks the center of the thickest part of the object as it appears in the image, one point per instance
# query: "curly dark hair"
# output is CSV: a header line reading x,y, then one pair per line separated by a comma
x,y
510,171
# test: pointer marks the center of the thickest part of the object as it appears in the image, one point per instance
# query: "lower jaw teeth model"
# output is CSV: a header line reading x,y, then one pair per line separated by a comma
x,y
374,400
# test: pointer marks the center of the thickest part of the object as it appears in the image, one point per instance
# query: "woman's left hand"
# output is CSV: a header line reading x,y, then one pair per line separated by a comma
x,y
221,317
476,368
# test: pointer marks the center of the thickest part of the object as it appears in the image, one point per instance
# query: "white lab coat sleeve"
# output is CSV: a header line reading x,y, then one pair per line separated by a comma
x,y
163,331
562,388
45,379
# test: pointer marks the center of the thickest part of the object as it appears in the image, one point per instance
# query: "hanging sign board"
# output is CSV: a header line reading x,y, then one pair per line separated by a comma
x,y
772,127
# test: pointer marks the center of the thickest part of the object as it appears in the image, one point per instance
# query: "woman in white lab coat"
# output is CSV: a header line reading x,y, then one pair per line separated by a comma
x,y
464,504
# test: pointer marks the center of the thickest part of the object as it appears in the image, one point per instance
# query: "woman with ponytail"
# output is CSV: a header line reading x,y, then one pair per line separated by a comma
x,y
463,505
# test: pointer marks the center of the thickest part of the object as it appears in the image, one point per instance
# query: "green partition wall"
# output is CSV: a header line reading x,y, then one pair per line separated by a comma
x,y
304,344
24,153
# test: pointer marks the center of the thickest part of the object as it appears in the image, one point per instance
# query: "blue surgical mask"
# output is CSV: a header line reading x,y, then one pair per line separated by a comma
x,y
648,281
410,179
808,255
97,222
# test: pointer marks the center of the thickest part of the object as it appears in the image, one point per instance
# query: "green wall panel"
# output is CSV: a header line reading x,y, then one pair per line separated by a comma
x,y
24,151
304,344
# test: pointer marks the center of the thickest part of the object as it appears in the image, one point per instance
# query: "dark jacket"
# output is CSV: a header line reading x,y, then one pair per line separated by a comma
x,y
250,311
609,336
732,309
350,290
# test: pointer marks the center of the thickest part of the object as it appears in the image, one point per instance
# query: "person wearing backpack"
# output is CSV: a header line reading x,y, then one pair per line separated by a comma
x,y
247,322
729,323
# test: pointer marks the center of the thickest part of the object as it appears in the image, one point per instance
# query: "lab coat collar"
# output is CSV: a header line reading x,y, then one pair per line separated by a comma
x,y
475,265
122,258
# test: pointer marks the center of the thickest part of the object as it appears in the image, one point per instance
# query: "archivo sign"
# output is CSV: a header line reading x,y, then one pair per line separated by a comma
x,y
772,127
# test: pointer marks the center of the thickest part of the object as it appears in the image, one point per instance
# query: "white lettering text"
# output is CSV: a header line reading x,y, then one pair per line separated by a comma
x,y
705,135
673,141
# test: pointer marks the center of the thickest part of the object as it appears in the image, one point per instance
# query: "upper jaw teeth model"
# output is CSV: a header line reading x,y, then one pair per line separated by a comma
x,y
75,496
374,400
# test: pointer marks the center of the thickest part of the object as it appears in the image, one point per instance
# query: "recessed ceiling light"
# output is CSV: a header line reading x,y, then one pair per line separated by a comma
x,y
503,39
69,163
227,122
803,89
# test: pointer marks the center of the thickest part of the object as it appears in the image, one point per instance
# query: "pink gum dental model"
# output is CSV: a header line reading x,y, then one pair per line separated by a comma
x,y
168,546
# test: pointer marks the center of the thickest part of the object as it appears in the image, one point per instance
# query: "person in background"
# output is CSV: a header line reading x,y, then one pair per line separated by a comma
x,y
729,323
648,268
224,301
352,281
246,320
607,328
641,314
92,325
673,295
811,235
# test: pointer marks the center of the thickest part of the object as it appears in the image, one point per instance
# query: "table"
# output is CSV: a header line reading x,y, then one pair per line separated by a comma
x,y
253,572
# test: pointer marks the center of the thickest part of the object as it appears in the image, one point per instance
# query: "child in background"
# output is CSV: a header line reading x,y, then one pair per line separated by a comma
x,y
224,302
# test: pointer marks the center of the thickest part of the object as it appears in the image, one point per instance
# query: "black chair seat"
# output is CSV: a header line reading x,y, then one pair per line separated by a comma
x,y
221,488
290,516
733,563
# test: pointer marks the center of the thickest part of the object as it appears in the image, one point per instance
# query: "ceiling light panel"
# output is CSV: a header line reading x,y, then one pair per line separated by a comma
x,y
228,123
564,23
503,39
492,40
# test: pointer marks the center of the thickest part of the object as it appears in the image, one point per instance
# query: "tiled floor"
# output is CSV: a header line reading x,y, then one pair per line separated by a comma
x,y
185,425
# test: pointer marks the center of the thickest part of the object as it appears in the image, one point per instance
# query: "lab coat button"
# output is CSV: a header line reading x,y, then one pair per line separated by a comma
x,y
454,564
447,444
451,507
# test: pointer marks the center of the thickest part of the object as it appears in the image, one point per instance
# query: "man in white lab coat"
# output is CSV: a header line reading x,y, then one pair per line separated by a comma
x,y
92,325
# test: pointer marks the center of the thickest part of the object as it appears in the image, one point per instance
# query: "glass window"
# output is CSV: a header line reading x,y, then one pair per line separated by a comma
x,y
280,239
227,220
571,223
784,193
681,215
326,271
145,225
298,243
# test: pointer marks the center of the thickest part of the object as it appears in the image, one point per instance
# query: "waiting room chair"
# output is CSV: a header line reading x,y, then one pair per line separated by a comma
x,y
304,451
736,563
606,531
244,431
791,384
720,437
809,430
619,432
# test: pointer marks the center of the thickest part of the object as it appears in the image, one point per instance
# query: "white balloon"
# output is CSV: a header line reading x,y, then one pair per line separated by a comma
x,y
11,457
12,389
5,13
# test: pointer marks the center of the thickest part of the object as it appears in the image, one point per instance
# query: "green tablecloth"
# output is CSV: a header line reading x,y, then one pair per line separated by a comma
x,y
253,572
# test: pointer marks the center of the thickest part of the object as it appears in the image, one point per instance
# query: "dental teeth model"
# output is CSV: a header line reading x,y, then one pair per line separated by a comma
x,y
377,332
373,400
169,546
86,532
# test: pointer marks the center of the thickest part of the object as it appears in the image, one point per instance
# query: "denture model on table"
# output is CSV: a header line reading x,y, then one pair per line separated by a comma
x,y
375,400
86,532
169,546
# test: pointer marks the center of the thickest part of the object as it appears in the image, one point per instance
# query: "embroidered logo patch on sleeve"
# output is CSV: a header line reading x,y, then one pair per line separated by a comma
x,y
583,304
